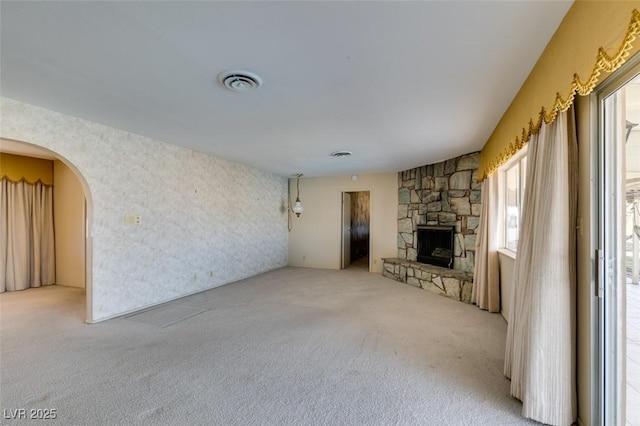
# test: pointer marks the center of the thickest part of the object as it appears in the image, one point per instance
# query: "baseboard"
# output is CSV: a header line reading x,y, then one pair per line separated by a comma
x,y
172,299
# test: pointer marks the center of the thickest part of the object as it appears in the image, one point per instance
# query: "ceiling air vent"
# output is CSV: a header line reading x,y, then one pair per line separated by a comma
x,y
341,153
239,81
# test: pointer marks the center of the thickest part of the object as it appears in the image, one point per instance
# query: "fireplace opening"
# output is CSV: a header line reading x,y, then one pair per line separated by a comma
x,y
435,245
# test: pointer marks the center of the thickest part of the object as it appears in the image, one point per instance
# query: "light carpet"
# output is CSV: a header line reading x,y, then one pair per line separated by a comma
x,y
290,347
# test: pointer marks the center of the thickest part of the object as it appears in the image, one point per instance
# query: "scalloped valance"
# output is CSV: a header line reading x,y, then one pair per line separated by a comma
x,y
594,37
17,168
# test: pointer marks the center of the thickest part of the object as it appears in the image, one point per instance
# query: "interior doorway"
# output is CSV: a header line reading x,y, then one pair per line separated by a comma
x,y
619,248
356,228
71,213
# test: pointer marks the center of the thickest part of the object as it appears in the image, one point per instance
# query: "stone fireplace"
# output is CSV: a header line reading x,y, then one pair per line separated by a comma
x,y
443,195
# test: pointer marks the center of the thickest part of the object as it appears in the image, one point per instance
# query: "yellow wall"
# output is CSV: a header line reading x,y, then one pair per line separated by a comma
x,y
314,240
17,167
573,49
69,222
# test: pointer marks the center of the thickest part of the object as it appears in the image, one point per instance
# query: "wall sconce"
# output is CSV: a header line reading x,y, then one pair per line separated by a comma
x,y
297,207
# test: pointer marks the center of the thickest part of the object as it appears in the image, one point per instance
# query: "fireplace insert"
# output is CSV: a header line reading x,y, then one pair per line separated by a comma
x,y
435,245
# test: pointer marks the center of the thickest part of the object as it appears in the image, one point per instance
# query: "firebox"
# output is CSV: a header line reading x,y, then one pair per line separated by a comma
x,y
435,245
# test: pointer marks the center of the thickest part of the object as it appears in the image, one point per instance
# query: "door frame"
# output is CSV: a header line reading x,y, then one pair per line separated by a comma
x,y
609,308
340,230
88,225
343,226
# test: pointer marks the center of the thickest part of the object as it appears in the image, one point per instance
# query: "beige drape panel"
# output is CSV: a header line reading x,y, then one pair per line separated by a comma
x,y
486,274
27,249
540,351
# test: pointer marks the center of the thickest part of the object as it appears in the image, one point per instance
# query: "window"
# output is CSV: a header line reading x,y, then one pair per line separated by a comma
x,y
513,181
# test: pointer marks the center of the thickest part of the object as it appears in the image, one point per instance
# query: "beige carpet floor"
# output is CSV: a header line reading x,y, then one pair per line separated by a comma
x,y
290,347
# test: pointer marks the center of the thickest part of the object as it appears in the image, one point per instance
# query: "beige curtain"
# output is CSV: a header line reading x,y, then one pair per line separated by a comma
x,y
540,351
27,250
486,274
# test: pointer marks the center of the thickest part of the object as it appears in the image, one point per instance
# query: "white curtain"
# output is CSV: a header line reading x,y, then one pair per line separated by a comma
x,y
540,351
486,274
27,248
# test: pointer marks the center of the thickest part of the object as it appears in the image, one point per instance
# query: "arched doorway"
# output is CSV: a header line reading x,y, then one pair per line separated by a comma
x,y
68,172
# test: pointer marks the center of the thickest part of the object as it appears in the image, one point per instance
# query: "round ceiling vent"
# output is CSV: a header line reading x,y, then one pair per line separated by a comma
x,y
341,153
239,81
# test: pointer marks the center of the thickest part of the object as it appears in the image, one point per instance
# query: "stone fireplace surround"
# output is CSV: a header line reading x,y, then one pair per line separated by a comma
x,y
444,193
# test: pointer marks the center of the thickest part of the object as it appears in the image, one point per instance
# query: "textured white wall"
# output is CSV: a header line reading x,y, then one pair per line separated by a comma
x,y
205,221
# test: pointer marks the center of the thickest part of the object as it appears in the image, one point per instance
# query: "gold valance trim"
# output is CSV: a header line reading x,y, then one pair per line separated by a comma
x,y
5,177
603,62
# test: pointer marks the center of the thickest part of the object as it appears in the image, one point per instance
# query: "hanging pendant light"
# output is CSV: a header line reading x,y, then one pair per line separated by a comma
x,y
297,207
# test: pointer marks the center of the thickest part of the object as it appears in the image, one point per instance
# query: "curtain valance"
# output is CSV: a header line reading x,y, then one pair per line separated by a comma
x,y
18,168
594,37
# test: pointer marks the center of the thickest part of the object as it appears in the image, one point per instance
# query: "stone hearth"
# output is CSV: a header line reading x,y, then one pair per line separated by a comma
x,y
436,279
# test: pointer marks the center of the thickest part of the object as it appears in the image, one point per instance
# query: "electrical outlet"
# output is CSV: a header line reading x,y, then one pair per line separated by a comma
x,y
132,219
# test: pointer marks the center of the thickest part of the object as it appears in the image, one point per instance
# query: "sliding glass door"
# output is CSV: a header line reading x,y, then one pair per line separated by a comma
x,y
618,165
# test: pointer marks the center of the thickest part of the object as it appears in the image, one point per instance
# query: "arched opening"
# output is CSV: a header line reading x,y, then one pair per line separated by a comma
x,y
67,172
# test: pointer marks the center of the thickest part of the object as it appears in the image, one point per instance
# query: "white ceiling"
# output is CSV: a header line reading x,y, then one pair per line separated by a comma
x,y
401,84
